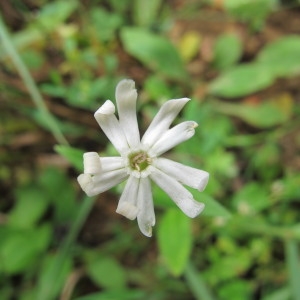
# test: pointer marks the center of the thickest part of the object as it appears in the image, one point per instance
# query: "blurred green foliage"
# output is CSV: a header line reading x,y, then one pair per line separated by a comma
x,y
245,245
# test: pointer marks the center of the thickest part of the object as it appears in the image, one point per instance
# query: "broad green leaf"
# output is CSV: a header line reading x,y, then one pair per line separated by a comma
x,y
73,155
140,7
21,248
175,240
155,51
227,51
242,80
282,56
265,114
106,272
29,208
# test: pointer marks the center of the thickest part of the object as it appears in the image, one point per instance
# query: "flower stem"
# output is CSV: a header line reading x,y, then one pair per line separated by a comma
x,y
197,284
30,83
292,262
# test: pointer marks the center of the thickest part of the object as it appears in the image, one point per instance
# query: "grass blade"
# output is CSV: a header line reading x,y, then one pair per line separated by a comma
x,y
293,267
30,83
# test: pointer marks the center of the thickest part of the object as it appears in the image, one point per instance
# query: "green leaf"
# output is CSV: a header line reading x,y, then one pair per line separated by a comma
x,y
197,284
213,208
140,7
280,294
241,81
175,240
265,114
155,51
46,281
73,155
105,23
106,272
227,51
253,12
21,248
65,206
30,206
282,56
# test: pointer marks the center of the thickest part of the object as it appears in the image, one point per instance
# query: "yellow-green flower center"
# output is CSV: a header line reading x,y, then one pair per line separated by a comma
x,y
139,160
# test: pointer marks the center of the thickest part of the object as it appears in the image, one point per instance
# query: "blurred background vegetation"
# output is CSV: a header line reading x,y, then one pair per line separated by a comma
x,y
239,61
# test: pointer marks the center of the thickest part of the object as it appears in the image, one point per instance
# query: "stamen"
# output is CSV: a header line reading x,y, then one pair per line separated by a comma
x,y
139,160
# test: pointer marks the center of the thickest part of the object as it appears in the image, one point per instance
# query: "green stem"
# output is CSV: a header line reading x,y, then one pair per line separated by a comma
x,y
50,290
197,284
30,83
293,266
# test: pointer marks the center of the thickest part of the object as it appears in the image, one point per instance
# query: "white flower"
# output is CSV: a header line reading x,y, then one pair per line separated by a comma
x,y
139,160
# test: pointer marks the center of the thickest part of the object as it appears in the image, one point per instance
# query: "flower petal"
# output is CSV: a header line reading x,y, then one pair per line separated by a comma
x,y
173,137
181,196
86,183
111,163
110,125
91,163
126,96
94,185
163,120
127,205
146,215
189,176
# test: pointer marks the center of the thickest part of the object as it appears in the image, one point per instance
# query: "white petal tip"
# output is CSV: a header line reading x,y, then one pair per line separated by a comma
x,y
184,99
127,210
126,91
146,230
195,210
203,183
91,163
126,84
86,183
108,108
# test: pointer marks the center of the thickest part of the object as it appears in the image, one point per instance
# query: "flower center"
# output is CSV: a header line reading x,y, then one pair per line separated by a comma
x,y
139,161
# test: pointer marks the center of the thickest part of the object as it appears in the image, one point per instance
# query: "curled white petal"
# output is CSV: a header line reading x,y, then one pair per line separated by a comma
x,y
91,163
99,183
110,125
146,215
173,137
189,176
126,96
127,205
181,196
86,183
163,120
